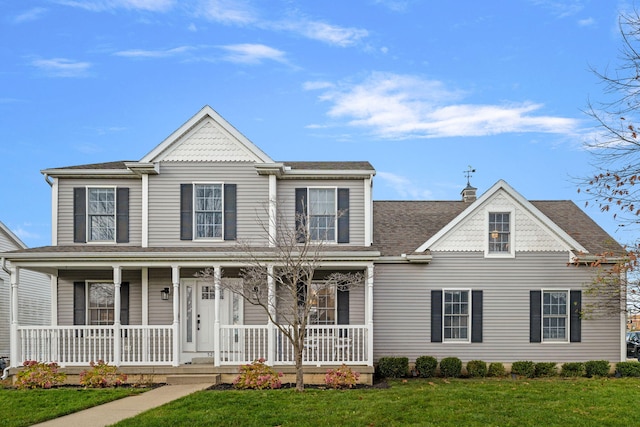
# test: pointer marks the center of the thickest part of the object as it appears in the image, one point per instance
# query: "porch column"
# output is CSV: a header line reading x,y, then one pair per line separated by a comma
x,y
271,331
14,341
54,300
369,315
117,335
175,278
217,273
144,280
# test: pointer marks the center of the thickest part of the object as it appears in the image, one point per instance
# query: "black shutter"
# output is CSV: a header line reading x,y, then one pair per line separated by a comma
x,y
124,303
79,303
436,316
535,316
476,316
186,211
230,216
343,307
575,319
79,215
301,214
343,215
122,215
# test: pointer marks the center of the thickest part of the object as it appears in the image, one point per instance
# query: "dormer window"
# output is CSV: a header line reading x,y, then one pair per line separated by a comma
x,y
499,233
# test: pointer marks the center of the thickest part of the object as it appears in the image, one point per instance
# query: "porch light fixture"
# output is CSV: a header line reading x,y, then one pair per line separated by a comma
x,y
165,294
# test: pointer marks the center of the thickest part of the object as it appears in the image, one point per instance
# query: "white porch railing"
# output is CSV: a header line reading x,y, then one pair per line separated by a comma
x,y
154,345
80,345
324,345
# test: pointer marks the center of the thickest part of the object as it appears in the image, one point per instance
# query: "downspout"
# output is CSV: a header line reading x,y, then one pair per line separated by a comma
x,y
46,178
5,371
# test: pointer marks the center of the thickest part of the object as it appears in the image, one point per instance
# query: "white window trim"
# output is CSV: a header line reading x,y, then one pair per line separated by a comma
x,y
193,209
568,324
457,341
115,215
87,285
512,234
335,215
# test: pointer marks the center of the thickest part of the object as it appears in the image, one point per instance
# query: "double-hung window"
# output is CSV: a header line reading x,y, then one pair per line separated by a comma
x,y
101,303
499,233
322,214
208,211
456,309
554,315
101,212
323,310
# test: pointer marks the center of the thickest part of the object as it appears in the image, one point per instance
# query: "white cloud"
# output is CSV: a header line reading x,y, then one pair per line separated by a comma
x,y
140,53
397,106
317,85
587,22
30,15
252,53
107,5
227,11
405,188
321,31
61,67
561,8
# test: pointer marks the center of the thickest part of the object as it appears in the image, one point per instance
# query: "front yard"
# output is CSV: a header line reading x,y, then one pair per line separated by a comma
x,y
424,402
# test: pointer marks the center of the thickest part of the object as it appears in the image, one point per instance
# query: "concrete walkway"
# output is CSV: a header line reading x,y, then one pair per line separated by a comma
x,y
112,412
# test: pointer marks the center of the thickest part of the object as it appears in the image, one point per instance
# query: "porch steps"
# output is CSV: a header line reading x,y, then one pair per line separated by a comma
x,y
180,379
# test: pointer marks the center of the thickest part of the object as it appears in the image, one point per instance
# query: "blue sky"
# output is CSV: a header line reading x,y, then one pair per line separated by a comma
x,y
421,89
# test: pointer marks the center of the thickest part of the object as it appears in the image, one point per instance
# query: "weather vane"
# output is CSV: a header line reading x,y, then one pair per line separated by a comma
x,y
468,173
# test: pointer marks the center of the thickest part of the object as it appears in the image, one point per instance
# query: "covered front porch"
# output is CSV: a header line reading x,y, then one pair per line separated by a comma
x,y
150,324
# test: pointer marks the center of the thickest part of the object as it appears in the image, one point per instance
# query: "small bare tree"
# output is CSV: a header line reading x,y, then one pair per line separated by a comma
x,y
282,279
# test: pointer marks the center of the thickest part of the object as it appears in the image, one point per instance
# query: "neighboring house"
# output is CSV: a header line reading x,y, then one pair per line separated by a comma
x,y
482,278
34,302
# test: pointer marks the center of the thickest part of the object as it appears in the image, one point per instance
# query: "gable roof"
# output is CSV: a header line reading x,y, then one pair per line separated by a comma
x,y
207,134
11,237
405,227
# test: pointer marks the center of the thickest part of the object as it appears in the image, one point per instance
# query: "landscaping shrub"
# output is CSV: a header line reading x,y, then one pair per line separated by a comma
x,y
524,368
393,367
451,367
572,369
426,366
257,376
477,368
545,369
342,377
597,368
628,369
496,369
102,375
39,375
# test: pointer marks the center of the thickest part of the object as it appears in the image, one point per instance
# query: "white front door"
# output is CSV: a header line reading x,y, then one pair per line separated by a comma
x,y
199,314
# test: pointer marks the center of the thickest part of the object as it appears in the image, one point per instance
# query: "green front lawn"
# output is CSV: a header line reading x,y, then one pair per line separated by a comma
x,y
438,402
27,407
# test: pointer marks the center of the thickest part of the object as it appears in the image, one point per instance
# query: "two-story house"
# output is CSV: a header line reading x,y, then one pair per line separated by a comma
x,y
481,278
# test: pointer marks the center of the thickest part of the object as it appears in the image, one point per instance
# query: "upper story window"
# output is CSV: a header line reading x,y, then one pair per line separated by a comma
x,y
554,315
322,214
499,233
208,211
101,212
456,315
208,202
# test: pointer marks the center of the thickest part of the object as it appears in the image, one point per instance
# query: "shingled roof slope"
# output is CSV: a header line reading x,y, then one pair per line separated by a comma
x,y
400,227
356,165
106,165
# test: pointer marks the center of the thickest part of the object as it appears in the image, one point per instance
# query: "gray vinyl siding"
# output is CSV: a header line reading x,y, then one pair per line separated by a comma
x,y
160,312
164,200
402,304
65,207
65,292
34,298
286,203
